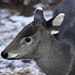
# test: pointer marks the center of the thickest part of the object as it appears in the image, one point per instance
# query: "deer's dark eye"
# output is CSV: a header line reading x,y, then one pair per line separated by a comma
x,y
27,39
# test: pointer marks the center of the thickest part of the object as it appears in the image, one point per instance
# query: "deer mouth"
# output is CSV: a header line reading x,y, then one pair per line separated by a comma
x,y
12,56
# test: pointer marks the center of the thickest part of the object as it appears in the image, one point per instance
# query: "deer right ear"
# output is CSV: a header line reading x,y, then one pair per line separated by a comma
x,y
56,21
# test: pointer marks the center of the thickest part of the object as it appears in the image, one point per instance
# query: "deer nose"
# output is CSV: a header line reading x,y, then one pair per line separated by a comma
x,y
4,55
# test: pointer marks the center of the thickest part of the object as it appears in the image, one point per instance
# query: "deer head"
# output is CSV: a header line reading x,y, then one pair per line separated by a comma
x,y
33,38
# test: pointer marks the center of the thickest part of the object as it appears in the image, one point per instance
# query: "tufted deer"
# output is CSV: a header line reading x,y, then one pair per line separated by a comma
x,y
54,54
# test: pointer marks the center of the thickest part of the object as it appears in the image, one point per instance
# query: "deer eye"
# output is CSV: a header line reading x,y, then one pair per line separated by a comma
x,y
27,39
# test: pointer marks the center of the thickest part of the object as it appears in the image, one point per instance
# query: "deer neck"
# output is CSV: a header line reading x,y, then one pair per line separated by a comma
x,y
45,52
52,60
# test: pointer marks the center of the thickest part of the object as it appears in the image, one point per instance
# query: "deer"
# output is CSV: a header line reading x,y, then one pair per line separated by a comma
x,y
53,53
68,8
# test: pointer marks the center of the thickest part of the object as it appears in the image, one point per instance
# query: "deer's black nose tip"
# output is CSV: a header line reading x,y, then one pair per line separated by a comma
x,y
4,55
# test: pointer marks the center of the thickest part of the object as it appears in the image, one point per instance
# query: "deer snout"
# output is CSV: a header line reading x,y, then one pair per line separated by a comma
x,y
8,55
4,55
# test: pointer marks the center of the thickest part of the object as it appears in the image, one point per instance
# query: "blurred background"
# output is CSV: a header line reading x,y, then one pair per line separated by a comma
x,y
14,15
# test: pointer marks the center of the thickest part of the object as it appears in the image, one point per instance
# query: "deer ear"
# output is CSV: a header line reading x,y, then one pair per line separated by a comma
x,y
38,14
57,21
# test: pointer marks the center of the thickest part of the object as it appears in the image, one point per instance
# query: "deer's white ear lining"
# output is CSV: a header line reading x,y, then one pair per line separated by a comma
x,y
58,19
54,32
12,55
39,8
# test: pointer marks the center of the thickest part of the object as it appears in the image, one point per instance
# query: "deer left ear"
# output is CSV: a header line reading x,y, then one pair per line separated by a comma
x,y
56,21
39,14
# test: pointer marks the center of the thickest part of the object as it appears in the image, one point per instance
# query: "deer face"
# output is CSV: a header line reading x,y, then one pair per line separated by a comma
x,y
31,38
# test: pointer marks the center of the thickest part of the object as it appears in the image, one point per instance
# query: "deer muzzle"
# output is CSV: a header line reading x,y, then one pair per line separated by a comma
x,y
8,55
